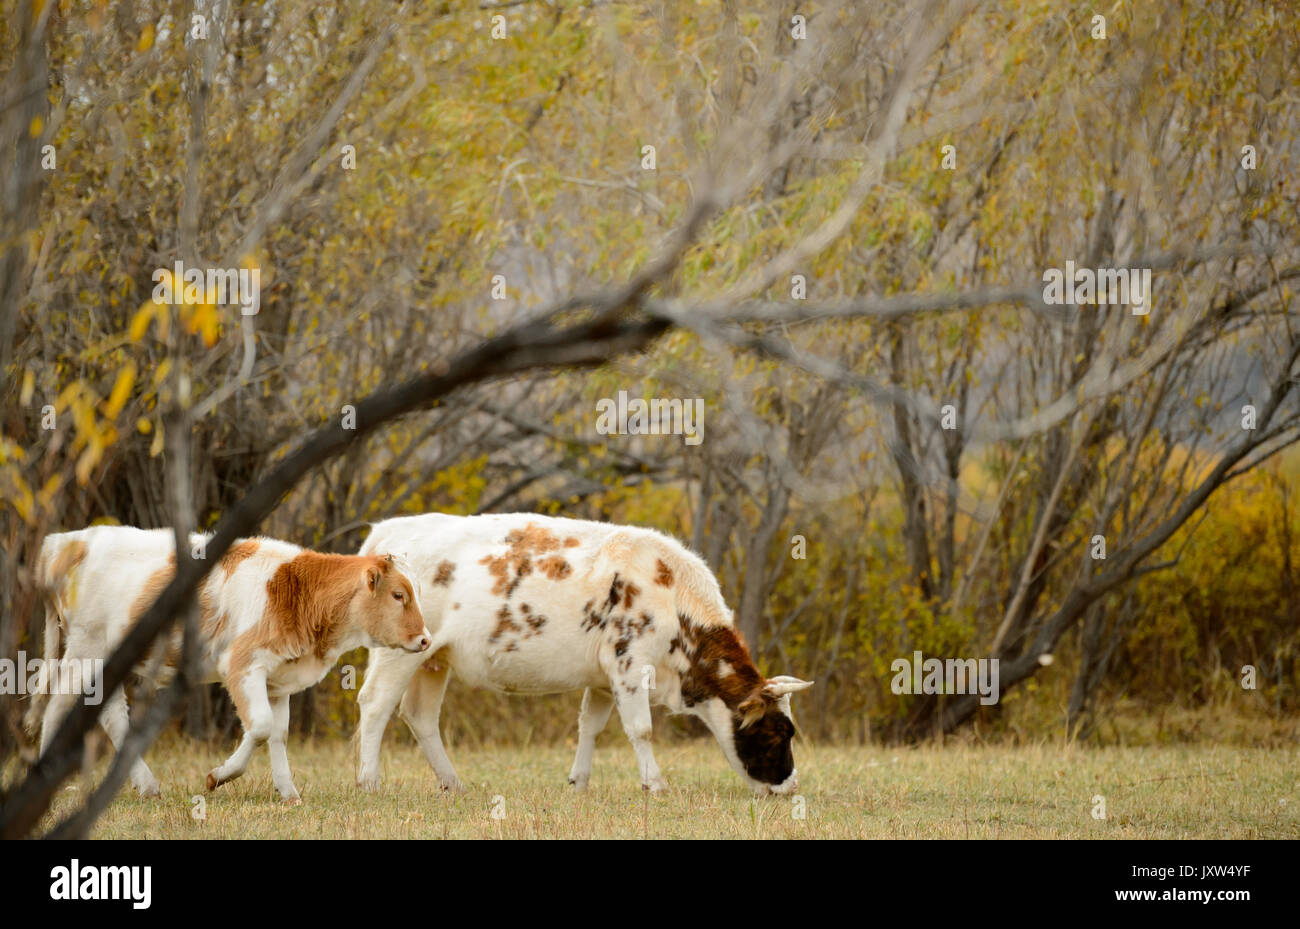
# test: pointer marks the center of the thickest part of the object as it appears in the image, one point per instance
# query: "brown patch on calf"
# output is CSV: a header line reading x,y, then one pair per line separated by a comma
x,y
663,573
151,589
237,554
69,557
54,577
443,576
571,542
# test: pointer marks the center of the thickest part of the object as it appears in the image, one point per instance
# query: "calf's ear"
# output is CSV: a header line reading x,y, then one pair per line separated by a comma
x,y
372,578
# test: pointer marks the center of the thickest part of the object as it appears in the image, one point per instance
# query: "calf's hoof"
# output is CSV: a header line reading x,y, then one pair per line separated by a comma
x,y
368,784
212,781
657,786
291,801
452,787
579,781
149,789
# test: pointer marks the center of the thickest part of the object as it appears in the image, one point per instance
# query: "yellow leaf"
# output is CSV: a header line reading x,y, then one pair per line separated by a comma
x,y
121,391
140,321
146,39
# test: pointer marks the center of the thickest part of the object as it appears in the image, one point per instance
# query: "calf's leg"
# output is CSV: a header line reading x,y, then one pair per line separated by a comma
x,y
254,706
280,773
596,707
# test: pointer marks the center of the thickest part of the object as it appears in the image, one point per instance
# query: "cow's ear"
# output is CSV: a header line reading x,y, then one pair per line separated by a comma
x,y
783,684
752,708
372,578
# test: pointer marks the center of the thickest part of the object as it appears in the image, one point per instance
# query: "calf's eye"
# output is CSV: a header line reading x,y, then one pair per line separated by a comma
x,y
397,596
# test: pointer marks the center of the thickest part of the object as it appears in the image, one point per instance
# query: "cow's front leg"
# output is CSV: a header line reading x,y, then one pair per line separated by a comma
x,y
280,773
596,707
388,673
254,706
634,709
420,708
116,720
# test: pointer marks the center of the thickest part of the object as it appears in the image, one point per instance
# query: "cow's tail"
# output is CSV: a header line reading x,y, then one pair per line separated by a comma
x,y
58,559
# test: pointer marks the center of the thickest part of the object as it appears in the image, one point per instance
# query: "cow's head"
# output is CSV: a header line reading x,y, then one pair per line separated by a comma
x,y
390,610
762,729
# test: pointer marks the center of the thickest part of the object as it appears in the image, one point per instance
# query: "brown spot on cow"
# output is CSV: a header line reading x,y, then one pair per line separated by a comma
x,y
663,573
706,648
505,624
571,542
630,593
555,567
442,577
509,568
534,621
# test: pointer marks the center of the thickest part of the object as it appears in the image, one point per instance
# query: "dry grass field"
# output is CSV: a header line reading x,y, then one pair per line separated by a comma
x,y
966,791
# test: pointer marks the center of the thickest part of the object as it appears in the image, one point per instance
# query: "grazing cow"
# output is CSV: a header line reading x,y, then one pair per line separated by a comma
x,y
273,617
534,604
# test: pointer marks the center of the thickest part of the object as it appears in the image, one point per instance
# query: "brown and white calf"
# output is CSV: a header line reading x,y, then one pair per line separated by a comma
x,y
274,618
529,604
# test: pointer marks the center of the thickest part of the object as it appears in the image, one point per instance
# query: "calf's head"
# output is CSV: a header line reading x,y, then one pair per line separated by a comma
x,y
390,610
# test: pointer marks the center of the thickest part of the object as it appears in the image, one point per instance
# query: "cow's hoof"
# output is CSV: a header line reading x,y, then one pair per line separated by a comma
x,y
579,782
212,781
368,784
149,790
452,787
292,801
657,786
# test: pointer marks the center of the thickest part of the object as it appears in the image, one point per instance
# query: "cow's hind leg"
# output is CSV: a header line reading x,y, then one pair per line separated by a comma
x,y
634,709
596,707
387,676
254,706
280,773
117,722
420,708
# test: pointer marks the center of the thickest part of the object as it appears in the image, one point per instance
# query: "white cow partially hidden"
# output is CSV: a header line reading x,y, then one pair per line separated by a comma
x,y
528,604
273,620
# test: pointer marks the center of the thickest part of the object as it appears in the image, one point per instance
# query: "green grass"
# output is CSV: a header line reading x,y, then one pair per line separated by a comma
x,y
966,791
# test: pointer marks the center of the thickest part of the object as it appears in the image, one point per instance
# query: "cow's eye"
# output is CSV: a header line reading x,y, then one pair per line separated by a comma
x,y
397,595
